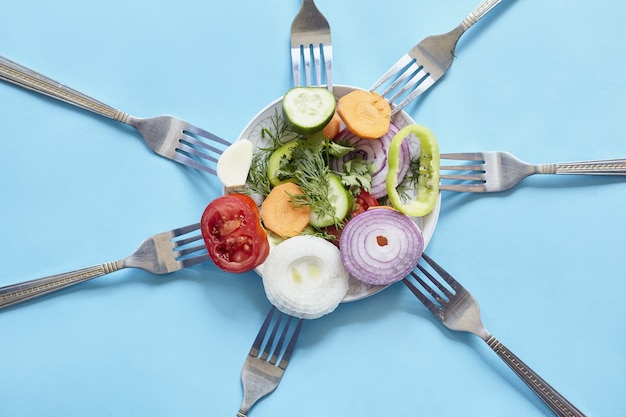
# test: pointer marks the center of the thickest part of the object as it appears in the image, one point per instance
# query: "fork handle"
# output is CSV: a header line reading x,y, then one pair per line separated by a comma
x,y
599,167
555,401
24,291
24,77
479,12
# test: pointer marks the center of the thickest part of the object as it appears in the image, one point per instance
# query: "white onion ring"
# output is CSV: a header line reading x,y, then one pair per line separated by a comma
x,y
381,246
375,151
303,276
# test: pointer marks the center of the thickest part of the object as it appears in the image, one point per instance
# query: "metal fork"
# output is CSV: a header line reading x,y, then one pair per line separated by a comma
x,y
268,358
159,254
500,171
458,310
426,62
310,35
167,136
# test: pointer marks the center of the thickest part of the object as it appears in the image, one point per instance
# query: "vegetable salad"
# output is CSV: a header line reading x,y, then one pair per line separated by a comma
x,y
316,176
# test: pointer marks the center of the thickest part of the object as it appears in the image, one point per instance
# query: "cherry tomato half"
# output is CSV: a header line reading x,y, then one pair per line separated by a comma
x,y
233,234
362,202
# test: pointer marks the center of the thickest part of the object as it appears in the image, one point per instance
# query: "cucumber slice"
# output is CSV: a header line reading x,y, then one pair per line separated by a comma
x,y
339,198
308,109
273,164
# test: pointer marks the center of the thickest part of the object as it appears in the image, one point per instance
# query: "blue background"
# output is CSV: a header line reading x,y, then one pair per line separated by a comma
x,y
543,80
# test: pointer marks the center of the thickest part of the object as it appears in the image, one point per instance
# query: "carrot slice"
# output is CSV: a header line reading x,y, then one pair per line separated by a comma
x,y
333,127
365,113
281,215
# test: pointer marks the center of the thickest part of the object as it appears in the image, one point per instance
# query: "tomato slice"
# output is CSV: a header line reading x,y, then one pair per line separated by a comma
x,y
233,234
362,202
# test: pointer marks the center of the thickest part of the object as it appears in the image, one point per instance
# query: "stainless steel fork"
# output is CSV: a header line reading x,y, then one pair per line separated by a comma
x,y
458,310
268,358
167,136
159,254
310,35
426,62
490,172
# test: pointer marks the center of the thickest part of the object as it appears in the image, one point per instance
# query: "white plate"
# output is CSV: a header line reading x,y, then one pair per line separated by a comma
x,y
358,289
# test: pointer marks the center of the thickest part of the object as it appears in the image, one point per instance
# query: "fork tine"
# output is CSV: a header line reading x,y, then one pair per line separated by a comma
x,y
463,156
424,85
439,292
433,294
195,260
463,177
273,352
307,64
406,72
290,347
327,50
477,167
205,134
270,340
402,63
477,172
464,188
182,253
417,77
258,342
180,242
449,279
196,144
423,299
187,158
317,63
318,53
281,341
185,229
187,240
401,75
191,151
295,64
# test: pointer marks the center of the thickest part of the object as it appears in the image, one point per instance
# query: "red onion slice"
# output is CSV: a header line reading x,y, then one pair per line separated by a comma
x,y
381,246
374,150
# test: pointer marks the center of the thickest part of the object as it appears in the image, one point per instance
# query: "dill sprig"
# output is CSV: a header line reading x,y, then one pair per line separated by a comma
x,y
408,186
309,170
278,134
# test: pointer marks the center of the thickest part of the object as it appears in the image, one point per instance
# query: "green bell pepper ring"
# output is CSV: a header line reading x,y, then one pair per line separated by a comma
x,y
427,190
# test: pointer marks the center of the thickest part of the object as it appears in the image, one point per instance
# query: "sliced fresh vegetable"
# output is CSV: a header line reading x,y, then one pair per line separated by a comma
x,y
381,246
233,234
365,113
304,277
282,213
234,164
427,190
321,190
308,110
363,202
333,127
283,153
340,200
375,152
